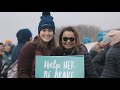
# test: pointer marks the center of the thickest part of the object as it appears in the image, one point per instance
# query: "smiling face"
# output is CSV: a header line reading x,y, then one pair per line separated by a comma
x,y
46,35
68,40
7,48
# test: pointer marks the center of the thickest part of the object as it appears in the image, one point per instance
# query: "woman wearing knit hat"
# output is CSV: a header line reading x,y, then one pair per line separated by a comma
x,y
99,59
96,48
43,44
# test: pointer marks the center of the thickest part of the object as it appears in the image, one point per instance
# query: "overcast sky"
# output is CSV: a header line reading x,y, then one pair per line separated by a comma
x,y
11,22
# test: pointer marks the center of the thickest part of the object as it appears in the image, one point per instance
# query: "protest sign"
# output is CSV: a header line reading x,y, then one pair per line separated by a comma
x,y
59,67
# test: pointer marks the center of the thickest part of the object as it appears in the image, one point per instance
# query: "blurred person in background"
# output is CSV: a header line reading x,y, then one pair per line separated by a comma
x,y
23,36
97,47
7,58
1,52
112,62
99,59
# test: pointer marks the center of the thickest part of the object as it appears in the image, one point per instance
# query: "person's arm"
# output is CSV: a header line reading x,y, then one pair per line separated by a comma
x,y
25,59
99,61
93,53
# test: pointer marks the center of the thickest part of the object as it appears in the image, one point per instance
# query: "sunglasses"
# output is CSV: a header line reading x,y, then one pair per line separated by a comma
x,y
66,39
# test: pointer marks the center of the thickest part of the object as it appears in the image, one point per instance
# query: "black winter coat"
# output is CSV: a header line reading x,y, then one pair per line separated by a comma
x,y
99,60
93,53
89,69
112,64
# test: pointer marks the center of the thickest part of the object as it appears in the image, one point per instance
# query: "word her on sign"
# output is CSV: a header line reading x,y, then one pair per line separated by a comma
x,y
68,65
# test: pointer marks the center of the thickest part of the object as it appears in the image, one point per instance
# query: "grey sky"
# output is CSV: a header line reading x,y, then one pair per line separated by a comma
x,y
11,22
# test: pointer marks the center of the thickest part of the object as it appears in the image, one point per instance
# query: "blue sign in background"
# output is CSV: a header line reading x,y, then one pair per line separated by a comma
x,y
59,67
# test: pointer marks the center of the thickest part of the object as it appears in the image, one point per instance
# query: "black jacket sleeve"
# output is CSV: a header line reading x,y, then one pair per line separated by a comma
x,y
99,61
110,68
93,53
89,69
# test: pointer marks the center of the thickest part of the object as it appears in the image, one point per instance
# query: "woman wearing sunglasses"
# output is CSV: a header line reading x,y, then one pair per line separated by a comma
x,y
69,44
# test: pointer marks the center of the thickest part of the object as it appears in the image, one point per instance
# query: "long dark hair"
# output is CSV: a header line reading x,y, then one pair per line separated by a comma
x,y
70,29
46,48
78,46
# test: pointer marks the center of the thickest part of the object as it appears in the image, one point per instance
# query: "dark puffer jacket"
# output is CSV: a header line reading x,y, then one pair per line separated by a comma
x,y
89,69
99,60
93,53
112,64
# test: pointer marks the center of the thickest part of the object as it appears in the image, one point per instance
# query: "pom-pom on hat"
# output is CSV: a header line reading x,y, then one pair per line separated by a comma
x,y
46,22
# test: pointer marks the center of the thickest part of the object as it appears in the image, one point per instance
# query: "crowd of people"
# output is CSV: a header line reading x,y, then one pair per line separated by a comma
x,y
103,60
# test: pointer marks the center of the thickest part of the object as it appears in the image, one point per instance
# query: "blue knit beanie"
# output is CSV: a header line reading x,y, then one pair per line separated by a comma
x,y
86,40
100,38
46,22
23,35
100,33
